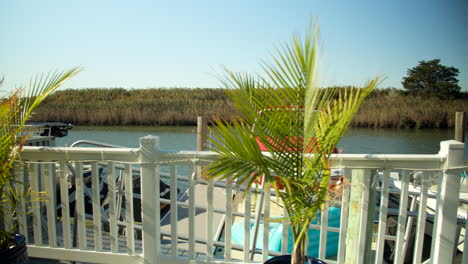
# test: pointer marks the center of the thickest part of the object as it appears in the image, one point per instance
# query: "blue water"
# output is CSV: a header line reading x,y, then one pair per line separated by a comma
x,y
356,140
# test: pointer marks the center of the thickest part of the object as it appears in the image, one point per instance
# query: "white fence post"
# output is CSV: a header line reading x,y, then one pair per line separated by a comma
x,y
445,222
357,219
149,147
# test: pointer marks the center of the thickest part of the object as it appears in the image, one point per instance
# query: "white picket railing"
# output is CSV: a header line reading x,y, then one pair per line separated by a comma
x,y
99,226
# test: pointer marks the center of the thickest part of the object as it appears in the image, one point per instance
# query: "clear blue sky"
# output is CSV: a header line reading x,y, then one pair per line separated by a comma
x,y
141,44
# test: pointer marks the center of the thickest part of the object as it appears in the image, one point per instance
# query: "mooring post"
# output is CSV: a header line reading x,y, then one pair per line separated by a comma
x,y
201,140
201,133
460,122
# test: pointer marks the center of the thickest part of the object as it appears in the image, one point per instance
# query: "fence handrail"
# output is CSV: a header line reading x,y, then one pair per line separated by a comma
x,y
81,154
148,158
397,161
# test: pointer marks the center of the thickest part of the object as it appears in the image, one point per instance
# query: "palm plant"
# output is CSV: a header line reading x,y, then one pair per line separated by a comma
x,y
15,110
285,111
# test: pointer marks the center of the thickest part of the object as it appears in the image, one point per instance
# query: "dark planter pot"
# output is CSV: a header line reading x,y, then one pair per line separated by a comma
x,y
16,254
286,259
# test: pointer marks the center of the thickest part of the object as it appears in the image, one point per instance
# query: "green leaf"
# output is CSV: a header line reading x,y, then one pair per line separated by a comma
x,y
286,112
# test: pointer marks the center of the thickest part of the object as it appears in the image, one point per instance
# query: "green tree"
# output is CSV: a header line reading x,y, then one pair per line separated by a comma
x,y
430,78
288,113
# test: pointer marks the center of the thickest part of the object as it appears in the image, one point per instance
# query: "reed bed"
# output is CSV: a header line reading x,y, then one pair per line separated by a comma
x,y
135,107
385,108
400,111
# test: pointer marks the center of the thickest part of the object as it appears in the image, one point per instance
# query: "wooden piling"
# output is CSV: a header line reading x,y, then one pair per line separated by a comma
x,y
460,121
201,141
201,133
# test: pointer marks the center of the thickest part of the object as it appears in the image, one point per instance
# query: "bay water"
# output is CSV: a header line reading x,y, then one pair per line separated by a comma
x,y
356,140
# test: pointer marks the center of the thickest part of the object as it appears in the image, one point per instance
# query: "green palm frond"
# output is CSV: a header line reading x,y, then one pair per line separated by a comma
x,y
15,111
287,113
40,88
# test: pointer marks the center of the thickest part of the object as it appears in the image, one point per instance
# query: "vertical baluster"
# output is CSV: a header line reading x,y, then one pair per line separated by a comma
x,y
364,214
421,225
120,185
209,221
20,188
247,206
49,181
7,197
383,216
256,226
323,232
371,211
409,227
174,216
402,218
191,211
344,218
35,204
285,234
96,206
465,244
157,208
6,219
128,177
228,225
112,207
65,205
266,221
80,220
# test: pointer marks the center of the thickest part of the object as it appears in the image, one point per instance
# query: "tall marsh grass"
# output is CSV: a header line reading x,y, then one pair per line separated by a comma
x,y
134,107
385,108
399,111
